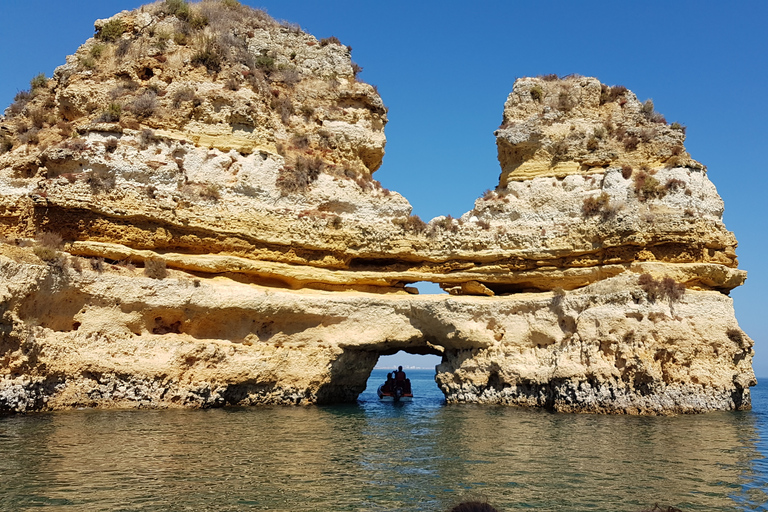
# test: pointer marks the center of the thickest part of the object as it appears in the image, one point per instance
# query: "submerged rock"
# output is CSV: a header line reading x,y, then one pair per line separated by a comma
x,y
231,157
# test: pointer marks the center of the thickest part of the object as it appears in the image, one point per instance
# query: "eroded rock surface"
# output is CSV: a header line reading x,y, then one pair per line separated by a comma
x,y
231,157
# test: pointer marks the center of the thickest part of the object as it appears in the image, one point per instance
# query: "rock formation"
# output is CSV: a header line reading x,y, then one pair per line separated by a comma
x,y
189,219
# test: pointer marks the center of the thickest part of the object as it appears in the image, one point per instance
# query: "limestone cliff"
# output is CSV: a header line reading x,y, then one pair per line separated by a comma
x,y
231,157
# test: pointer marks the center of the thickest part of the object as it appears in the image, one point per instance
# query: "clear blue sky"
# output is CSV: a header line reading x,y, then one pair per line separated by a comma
x,y
445,68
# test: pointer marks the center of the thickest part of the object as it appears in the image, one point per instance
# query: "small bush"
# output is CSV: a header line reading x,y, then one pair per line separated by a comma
x,y
208,56
447,224
679,127
145,137
6,144
155,268
211,192
290,77
101,180
178,8
611,94
283,106
230,4
37,116
180,38
559,151
631,143
647,187
182,95
647,134
330,40
198,22
112,114
537,93
674,184
600,132
97,50
593,144
122,48
30,137
49,239
356,69
87,62
412,224
298,177
38,82
145,105
595,204
626,171
735,335
265,62
111,31
110,145
659,289
97,264
549,78
647,108
565,102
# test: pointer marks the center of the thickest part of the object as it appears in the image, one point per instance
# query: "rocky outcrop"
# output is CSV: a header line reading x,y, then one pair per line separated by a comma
x,y
230,158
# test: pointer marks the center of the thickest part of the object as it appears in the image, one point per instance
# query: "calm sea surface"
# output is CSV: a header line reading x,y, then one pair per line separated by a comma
x,y
421,455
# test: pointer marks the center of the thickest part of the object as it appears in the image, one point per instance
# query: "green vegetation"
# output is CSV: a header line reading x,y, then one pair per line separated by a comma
x,y
648,187
537,93
97,50
208,56
112,114
111,31
47,246
38,82
178,8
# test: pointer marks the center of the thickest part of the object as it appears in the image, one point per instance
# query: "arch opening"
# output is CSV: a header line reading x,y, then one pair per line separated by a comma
x,y
420,369
352,372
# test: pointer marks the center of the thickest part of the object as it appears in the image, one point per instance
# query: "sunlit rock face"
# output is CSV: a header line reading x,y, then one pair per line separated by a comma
x,y
189,219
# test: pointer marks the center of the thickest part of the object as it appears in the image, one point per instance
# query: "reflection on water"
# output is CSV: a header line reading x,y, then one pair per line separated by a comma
x,y
382,456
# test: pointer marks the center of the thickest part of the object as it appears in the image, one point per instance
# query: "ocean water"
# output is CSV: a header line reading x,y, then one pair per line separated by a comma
x,y
376,456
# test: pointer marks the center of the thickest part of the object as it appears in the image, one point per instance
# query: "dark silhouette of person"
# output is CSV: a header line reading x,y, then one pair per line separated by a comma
x,y
474,506
399,374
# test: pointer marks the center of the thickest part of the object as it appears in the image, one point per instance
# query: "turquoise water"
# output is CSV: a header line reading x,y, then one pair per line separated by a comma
x,y
376,456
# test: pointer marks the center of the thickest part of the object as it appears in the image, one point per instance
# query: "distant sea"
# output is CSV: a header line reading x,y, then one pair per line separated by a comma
x,y
374,456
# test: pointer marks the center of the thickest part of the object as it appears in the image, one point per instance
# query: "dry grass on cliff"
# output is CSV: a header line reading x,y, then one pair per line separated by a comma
x,y
155,268
658,289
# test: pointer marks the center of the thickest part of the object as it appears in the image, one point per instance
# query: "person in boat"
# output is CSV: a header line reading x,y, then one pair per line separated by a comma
x,y
401,381
389,385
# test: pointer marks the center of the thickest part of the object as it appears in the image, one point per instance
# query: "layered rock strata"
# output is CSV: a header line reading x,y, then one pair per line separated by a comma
x,y
231,157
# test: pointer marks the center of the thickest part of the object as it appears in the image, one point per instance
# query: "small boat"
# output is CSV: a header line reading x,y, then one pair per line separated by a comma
x,y
393,396
392,391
